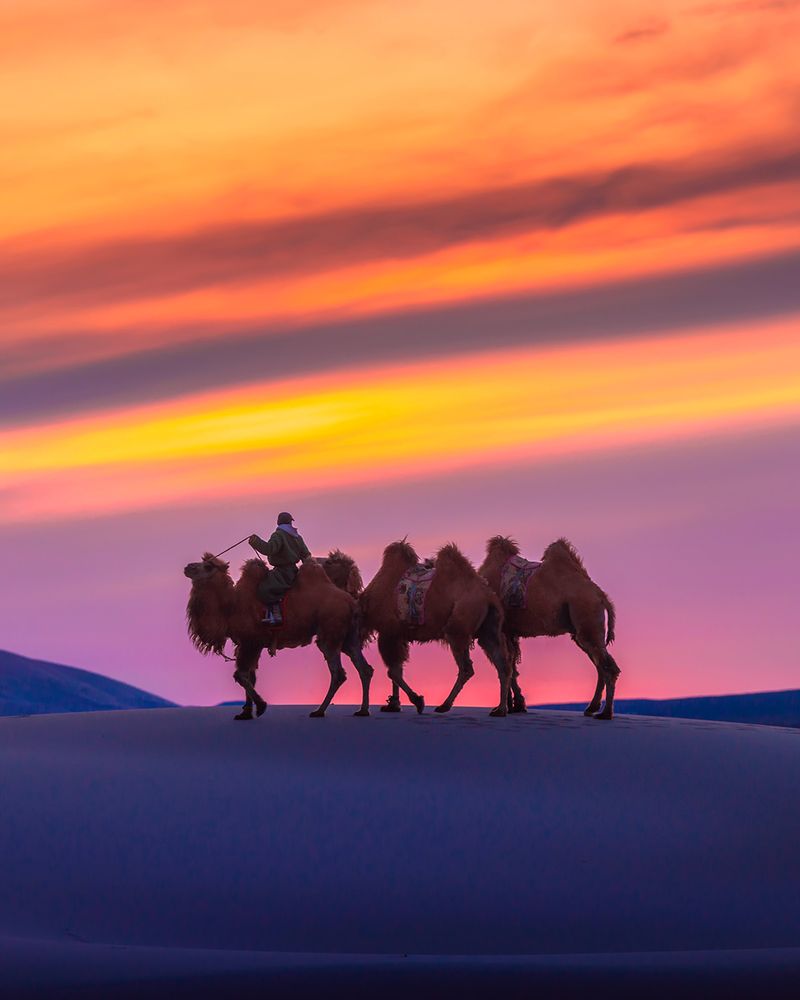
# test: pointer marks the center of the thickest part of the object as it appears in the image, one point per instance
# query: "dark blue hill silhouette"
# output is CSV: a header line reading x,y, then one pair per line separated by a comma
x,y
35,687
769,708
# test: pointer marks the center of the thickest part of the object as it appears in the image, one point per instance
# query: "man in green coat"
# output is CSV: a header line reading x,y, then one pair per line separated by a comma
x,y
284,549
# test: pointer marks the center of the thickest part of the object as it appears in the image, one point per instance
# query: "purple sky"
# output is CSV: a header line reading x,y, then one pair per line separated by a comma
x,y
698,546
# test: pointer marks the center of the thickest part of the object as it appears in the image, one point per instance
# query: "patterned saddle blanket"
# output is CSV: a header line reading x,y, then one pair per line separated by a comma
x,y
411,591
514,577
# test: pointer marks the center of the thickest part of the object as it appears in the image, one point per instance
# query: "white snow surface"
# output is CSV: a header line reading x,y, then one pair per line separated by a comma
x,y
548,834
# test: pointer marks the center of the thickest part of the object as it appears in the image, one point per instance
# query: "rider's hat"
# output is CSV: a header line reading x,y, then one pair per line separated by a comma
x,y
284,518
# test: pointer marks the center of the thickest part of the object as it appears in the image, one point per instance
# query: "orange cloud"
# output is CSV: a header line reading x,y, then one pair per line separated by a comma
x,y
238,164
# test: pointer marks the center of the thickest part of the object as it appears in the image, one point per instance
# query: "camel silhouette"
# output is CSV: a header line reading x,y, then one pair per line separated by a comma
x,y
314,608
459,607
560,598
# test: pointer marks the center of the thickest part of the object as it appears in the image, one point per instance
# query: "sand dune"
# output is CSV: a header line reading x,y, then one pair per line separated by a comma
x,y
36,687
176,846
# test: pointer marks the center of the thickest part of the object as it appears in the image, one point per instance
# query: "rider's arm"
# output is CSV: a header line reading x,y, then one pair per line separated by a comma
x,y
270,548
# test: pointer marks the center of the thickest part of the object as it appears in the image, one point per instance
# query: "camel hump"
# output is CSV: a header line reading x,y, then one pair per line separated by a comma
x,y
312,572
343,571
503,545
451,557
401,549
564,550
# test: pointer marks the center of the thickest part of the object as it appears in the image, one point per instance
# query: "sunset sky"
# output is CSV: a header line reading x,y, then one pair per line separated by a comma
x,y
436,269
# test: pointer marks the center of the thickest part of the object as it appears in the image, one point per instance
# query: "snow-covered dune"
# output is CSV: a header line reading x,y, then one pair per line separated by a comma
x,y
397,855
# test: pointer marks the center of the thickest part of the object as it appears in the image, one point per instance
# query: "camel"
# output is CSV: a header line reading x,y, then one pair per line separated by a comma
x,y
459,608
314,607
560,598
342,570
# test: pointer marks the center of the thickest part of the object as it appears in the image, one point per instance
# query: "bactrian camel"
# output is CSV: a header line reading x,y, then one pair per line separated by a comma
x,y
314,608
561,598
460,608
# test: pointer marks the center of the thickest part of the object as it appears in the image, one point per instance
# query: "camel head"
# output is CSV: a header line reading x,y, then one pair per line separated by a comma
x,y
208,568
209,603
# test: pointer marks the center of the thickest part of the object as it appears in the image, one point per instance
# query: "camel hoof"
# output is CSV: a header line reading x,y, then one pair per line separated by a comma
x,y
519,708
392,705
498,713
418,703
317,714
261,707
605,715
243,716
441,709
362,713
589,711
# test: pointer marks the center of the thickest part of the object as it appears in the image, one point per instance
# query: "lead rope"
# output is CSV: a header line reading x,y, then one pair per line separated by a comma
x,y
246,538
240,542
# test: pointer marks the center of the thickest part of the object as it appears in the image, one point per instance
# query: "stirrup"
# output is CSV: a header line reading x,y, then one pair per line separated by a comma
x,y
273,616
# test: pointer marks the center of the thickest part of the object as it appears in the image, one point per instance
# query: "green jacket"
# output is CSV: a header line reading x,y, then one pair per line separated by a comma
x,y
282,548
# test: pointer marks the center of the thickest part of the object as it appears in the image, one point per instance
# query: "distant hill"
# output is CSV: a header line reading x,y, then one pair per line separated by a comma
x,y
35,687
770,708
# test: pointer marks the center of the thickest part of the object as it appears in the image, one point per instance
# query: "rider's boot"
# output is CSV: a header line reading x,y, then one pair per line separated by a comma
x,y
273,615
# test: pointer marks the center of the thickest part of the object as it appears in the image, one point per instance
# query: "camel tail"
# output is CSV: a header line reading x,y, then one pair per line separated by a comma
x,y
359,633
355,633
608,604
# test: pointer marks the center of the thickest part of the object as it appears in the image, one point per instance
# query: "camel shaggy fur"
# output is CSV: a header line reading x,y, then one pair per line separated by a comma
x,y
460,608
561,598
314,608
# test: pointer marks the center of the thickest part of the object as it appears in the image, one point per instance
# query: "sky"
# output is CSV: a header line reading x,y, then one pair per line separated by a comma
x,y
444,271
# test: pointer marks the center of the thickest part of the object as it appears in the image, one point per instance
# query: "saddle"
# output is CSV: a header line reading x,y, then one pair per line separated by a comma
x,y
411,591
514,577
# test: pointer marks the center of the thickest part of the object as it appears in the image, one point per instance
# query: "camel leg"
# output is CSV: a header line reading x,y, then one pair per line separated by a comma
x,y
245,677
612,672
394,653
597,697
247,709
460,650
516,704
261,705
365,672
393,702
491,642
516,699
607,673
338,677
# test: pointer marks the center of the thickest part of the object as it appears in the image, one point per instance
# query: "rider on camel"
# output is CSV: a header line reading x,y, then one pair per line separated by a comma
x,y
284,549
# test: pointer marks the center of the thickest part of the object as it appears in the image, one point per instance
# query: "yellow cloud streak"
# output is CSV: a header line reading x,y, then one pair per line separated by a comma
x,y
414,419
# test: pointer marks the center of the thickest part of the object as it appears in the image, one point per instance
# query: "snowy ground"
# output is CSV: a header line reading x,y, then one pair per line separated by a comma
x,y
180,853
